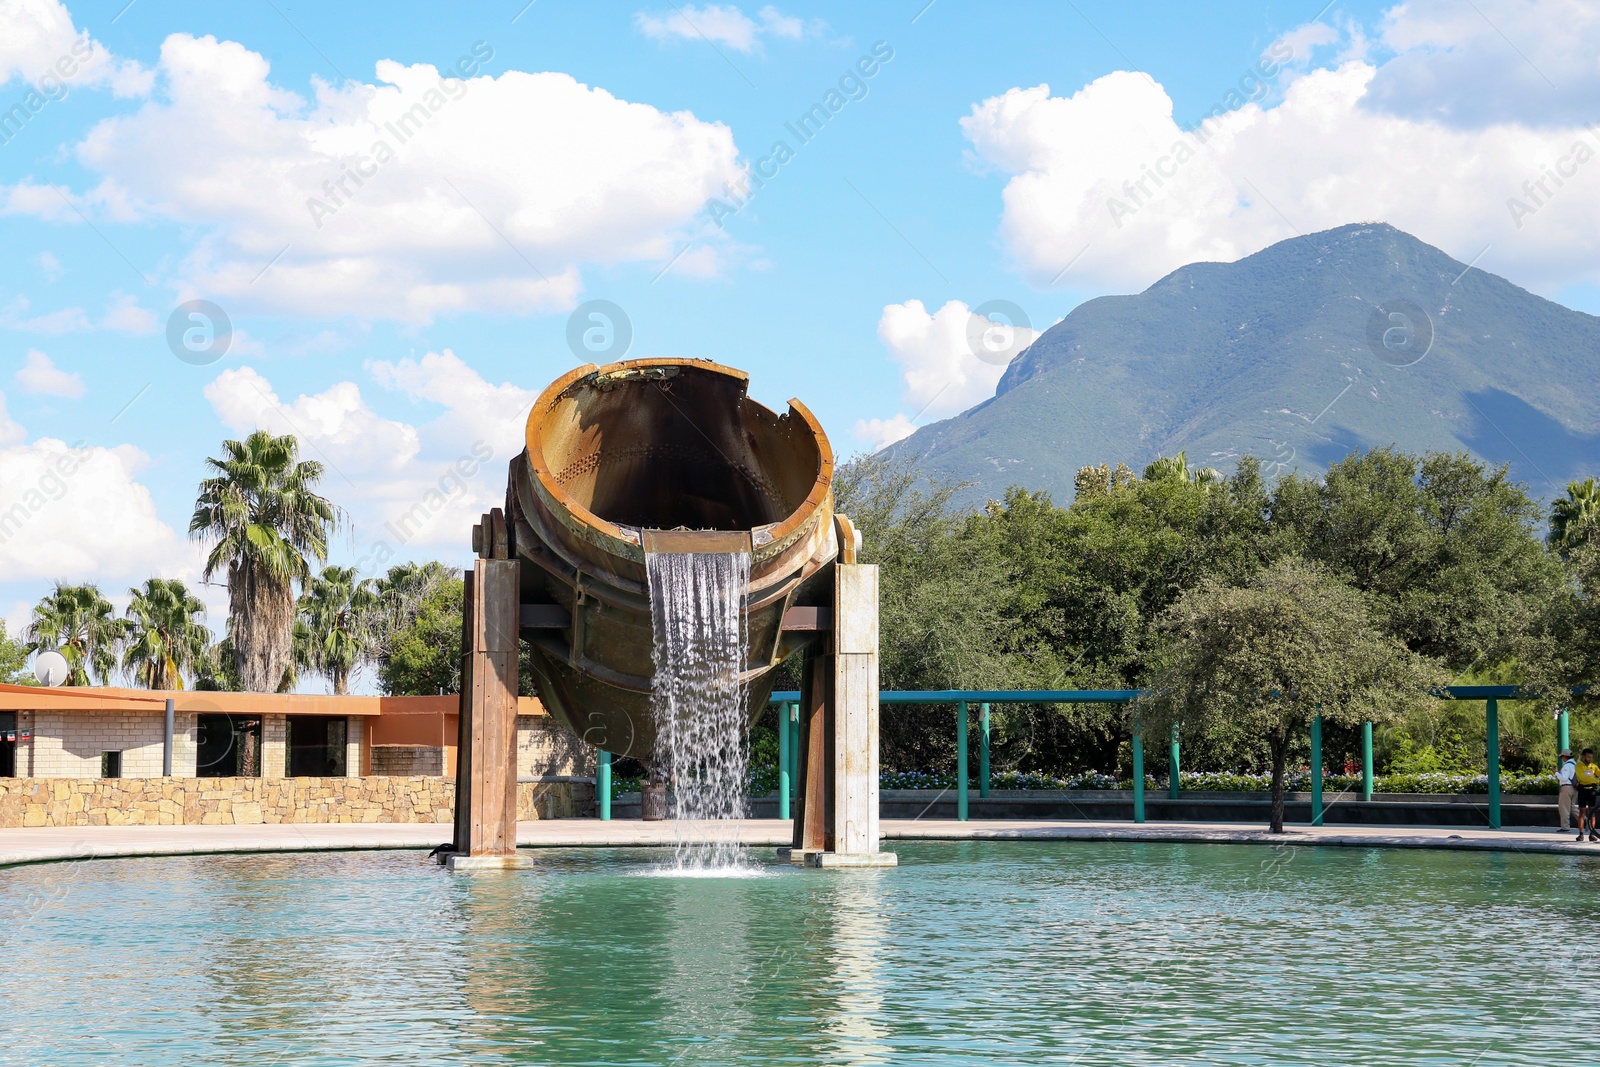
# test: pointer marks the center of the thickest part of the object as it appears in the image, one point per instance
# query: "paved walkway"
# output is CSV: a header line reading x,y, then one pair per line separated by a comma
x,y
101,842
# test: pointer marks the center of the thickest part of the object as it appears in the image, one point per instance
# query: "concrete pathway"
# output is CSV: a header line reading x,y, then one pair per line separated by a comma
x,y
102,842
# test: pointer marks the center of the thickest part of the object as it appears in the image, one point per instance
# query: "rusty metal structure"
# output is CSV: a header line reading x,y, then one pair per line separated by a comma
x,y
664,455
667,455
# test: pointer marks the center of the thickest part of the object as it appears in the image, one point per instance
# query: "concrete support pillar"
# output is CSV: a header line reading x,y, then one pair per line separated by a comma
x,y
855,722
274,746
486,762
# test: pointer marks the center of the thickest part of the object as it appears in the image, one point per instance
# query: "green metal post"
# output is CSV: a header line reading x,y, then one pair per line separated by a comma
x,y
961,761
1366,761
1563,732
602,783
1172,786
1138,778
783,761
983,750
1493,710
1316,771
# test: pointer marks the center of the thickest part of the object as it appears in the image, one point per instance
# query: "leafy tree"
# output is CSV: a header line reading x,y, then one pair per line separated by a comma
x,y
1267,658
941,624
80,623
335,625
1575,520
14,660
1445,549
166,638
260,511
424,656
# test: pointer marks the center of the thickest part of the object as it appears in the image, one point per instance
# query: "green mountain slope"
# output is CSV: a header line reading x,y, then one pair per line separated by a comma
x,y
1292,355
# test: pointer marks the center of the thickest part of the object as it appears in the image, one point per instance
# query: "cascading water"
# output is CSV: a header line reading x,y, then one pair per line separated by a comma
x,y
698,699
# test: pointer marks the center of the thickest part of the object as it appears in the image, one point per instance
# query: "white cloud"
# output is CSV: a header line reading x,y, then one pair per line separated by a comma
x,y
122,314
720,24
336,425
474,409
406,489
49,266
405,198
39,375
54,499
1530,62
40,44
1105,181
950,359
881,433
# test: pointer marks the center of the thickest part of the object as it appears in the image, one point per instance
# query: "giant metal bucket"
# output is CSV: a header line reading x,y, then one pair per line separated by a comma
x,y
672,454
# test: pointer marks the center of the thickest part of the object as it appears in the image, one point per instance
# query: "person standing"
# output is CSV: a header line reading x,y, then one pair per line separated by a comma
x,y
1568,798
1587,777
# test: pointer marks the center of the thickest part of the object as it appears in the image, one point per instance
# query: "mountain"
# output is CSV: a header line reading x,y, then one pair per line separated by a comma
x,y
1353,337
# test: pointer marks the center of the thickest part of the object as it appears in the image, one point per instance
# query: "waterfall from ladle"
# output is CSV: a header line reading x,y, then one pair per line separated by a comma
x,y
698,700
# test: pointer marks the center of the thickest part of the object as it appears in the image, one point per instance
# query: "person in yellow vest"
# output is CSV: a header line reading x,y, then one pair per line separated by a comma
x,y
1587,777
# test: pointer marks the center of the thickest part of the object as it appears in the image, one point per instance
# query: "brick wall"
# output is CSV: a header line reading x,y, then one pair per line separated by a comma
x,y
69,745
407,759
251,801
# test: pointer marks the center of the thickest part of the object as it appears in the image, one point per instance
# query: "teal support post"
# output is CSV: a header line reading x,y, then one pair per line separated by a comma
x,y
602,783
783,761
1563,732
983,750
1172,786
1316,771
961,761
1138,778
794,754
1366,761
1493,731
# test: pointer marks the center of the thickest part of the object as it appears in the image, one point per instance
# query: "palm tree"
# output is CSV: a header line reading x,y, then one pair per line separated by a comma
x,y
166,638
1177,468
1575,521
261,513
80,623
337,612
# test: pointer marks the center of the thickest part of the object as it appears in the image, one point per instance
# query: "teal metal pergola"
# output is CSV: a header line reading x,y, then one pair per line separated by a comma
x,y
963,699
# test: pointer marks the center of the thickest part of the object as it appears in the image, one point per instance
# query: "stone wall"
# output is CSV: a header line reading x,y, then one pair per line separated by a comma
x,y
252,801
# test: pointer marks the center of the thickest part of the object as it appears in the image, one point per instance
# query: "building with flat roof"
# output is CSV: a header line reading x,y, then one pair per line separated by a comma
x,y
283,752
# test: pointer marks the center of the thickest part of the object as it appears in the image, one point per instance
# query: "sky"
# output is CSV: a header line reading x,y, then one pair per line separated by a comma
x,y
385,228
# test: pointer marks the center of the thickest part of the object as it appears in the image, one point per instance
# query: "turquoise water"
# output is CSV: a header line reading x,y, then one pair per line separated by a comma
x,y
1057,953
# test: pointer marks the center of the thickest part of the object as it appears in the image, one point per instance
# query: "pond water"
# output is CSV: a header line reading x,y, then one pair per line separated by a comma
x,y
974,952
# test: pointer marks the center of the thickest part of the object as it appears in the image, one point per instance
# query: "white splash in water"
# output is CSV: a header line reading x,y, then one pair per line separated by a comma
x,y
699,700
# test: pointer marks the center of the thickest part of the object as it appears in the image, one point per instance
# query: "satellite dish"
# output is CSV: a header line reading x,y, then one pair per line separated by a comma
x,y
50,668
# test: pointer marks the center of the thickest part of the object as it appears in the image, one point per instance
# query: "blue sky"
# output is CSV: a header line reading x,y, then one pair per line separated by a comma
x,y
594,152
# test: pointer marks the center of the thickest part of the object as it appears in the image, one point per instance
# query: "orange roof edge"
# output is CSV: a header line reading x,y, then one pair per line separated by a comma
x,y
104,699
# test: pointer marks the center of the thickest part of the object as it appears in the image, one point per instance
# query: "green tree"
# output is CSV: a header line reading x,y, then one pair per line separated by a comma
x,y
166,638
1445,549
424,656
80,623
14,660
265,522
337,613
1575,519
941,625
1266,658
